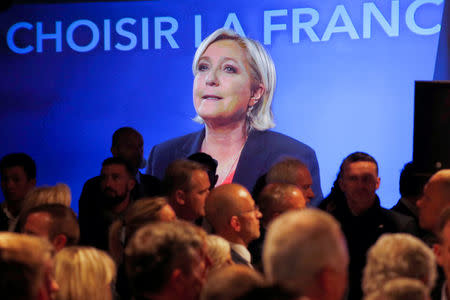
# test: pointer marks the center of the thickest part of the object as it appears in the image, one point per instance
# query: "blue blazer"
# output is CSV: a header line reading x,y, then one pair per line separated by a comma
x,y
261,151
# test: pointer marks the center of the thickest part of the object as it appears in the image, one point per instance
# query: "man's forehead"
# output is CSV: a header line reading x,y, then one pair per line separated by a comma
x,y
114,169
130,138
14,170
360,167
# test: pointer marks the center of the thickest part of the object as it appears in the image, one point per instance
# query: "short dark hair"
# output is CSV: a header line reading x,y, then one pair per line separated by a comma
x,y
63,221
156,250
121,132
355,157
115,160
178,175
19,160
412,181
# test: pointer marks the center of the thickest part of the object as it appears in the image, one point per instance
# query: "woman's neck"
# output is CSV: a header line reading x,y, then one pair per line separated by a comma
x,y
225,137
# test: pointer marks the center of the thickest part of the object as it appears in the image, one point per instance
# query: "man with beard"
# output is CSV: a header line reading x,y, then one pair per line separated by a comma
x,y
117,183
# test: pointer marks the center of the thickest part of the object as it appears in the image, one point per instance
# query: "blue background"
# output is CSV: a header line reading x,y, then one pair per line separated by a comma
x,y
338,96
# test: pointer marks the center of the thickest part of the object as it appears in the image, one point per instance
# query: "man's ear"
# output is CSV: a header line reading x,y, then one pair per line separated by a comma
x,y
437,249
341,184
180,197
59,242
235,223
378,183
114,151
131,184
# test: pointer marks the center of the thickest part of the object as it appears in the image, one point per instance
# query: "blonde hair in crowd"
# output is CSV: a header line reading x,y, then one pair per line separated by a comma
x,y
57,194
23,261
84,273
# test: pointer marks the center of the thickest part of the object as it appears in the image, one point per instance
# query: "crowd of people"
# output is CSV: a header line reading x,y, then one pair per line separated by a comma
x,y
234,211
186,237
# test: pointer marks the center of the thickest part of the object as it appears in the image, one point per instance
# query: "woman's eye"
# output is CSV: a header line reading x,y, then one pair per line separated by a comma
x,y
230,69
202,67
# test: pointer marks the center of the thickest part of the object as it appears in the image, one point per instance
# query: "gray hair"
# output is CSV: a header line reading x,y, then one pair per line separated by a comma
x,y
398,255
157,249
262,72
298,245
401,288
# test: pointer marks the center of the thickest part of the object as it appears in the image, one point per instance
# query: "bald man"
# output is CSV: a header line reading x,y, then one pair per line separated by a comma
x,y
436,197
275,199
231,211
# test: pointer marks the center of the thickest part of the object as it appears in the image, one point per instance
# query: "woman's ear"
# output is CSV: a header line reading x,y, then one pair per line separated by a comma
x,y
257,94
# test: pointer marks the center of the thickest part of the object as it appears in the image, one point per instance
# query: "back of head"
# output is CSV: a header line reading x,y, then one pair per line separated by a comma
x,y
411,181
121,133
209,162
298,245
398,255
22,265
230,283
219,252
63,221
277,198
178,175
140,213
58,194
19,159
285,171
401,289
83,273
156,250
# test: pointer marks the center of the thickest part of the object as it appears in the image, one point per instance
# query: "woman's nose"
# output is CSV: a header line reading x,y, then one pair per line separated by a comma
x,y
211,78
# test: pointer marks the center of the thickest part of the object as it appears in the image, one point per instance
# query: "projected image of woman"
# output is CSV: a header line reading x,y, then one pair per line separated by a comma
x,y
233,90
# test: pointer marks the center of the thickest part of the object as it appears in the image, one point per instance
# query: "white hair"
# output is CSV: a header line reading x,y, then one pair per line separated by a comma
x,y
398,255
263,72
298,245
401,288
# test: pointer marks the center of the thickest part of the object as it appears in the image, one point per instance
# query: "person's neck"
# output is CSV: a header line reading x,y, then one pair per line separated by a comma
x,y
232,238
216,137
13,209
122,205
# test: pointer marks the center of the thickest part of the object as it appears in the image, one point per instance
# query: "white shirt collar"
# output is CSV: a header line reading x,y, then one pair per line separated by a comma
x,y
242,251
444,291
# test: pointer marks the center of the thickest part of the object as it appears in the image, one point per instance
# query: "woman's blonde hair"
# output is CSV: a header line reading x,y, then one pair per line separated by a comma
x,y
262,71
84,273
57,194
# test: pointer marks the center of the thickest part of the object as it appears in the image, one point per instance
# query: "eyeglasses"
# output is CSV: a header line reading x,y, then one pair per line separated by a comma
x,y
253,210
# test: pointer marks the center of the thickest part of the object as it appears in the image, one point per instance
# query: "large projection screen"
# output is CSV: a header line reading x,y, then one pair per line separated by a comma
x,y
72,73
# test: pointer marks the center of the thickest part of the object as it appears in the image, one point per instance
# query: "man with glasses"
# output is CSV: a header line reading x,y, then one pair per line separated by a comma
x,y
231,211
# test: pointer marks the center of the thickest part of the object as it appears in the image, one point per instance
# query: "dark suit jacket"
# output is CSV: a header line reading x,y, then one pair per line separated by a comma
x,y
362,232
94,219
261,151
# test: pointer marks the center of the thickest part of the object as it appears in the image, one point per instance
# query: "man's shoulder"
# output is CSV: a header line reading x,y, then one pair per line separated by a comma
x,y
399,221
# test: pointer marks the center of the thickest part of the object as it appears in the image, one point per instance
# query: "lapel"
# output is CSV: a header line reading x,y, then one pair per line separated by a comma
x,y
192,144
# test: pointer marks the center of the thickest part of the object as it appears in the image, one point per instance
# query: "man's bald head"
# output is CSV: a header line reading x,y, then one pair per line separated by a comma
x,y
436,197
231,211
224,202
277,198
